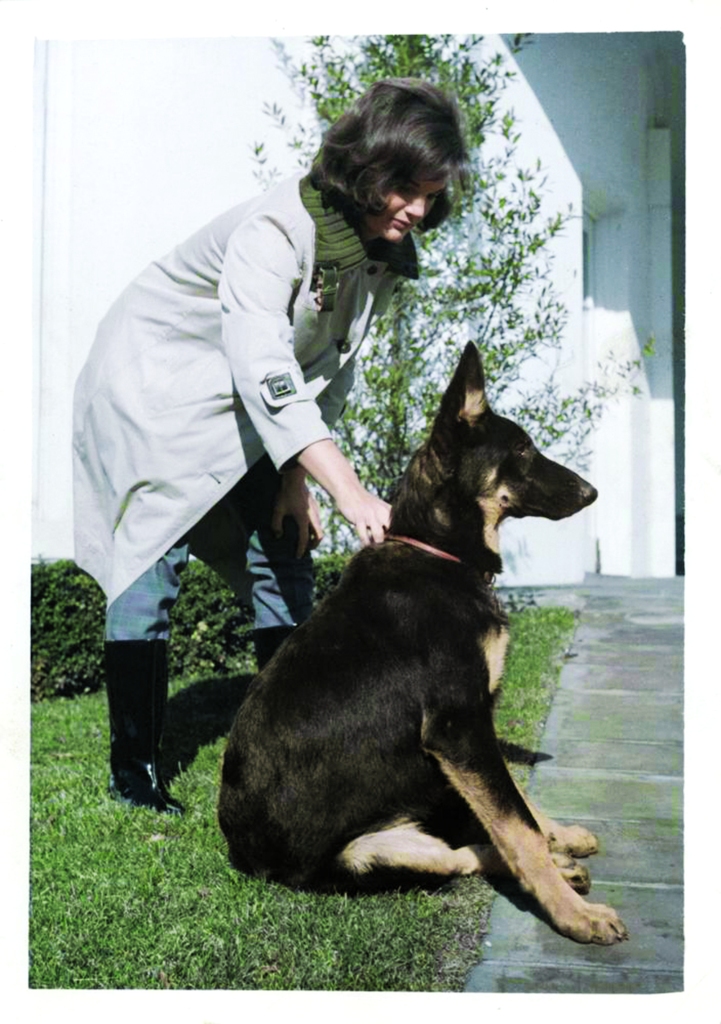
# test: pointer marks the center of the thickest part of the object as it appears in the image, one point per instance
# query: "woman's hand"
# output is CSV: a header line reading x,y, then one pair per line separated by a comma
x,y
295,500
369,514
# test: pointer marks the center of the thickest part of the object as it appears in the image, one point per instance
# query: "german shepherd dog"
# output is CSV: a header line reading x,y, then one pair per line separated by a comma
x,y
364,755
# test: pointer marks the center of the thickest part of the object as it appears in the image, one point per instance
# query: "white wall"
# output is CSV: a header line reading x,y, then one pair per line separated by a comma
x,y
634,446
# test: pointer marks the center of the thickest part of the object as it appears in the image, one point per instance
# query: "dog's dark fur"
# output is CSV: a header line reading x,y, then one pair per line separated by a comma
x,y
365,752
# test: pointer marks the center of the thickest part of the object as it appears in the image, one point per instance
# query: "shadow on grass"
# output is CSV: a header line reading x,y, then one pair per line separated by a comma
x,y
197,716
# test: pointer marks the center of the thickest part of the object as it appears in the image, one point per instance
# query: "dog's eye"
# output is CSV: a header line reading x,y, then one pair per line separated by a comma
x,y
524,448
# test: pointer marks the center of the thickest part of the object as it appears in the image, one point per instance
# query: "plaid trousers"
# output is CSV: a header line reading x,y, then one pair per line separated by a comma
x,y
235,539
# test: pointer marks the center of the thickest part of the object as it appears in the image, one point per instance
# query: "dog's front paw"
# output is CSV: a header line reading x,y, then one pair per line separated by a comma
x,y
574,873
572,839
595,923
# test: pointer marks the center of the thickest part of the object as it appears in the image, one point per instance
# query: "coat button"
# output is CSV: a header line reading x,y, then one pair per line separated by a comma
x,y
343,345
372,269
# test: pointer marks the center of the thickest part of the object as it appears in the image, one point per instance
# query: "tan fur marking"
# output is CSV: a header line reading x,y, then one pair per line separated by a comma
x,y
404,845
474,406
526,853
494,508
494,646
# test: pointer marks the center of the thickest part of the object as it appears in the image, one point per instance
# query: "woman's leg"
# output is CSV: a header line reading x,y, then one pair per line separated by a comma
x,y
234,538
282,588
282,584
136,667
142,612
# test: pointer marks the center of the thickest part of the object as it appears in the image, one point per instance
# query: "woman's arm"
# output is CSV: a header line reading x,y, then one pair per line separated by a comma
x,y
326,464
369,514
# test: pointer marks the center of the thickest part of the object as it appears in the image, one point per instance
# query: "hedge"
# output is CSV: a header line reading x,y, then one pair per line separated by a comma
x,y
211,633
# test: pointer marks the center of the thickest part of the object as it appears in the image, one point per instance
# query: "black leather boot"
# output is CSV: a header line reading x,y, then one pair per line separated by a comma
x,y
137,686
267,642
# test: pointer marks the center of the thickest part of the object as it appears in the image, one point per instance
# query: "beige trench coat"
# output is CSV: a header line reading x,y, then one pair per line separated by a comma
x,y
214,355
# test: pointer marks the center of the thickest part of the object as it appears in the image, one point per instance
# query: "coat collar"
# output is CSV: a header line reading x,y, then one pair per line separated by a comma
x,y
337,242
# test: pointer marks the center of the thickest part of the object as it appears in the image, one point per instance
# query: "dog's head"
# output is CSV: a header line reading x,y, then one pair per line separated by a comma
x,y
496,462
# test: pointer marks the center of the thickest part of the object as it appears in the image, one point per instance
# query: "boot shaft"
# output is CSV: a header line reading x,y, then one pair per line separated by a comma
x,y
137,688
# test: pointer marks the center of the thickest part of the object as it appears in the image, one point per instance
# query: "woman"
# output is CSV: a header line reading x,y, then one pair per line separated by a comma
x,y
209,394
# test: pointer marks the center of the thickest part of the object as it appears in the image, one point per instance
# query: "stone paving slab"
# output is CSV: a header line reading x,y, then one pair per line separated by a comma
x,y
572,793
659,639
597,716
534,978
622,659
625,755
634,851
666,677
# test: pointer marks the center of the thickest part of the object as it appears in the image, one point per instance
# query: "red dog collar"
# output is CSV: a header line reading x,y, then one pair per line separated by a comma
x,y
423,547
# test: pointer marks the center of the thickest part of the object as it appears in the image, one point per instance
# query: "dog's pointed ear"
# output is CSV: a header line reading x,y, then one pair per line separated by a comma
x,y
474,404
465,398
464,402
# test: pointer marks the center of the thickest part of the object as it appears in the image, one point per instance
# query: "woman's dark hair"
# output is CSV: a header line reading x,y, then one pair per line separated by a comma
x,y
400,130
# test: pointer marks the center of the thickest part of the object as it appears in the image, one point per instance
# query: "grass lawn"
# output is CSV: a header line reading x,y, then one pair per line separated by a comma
x,y
138,900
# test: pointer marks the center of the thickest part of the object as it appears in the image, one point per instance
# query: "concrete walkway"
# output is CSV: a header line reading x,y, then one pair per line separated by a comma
x,y
614,736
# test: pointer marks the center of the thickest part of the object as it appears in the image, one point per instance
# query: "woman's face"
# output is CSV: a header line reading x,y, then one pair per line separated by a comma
x,y
404,209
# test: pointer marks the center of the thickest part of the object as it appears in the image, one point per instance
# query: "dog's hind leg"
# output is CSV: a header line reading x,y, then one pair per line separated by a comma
x,y
574,840
403,845
576,875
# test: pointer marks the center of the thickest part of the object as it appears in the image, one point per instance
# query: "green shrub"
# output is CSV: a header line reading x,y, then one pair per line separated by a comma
x,y
66,630
211,633
328,569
